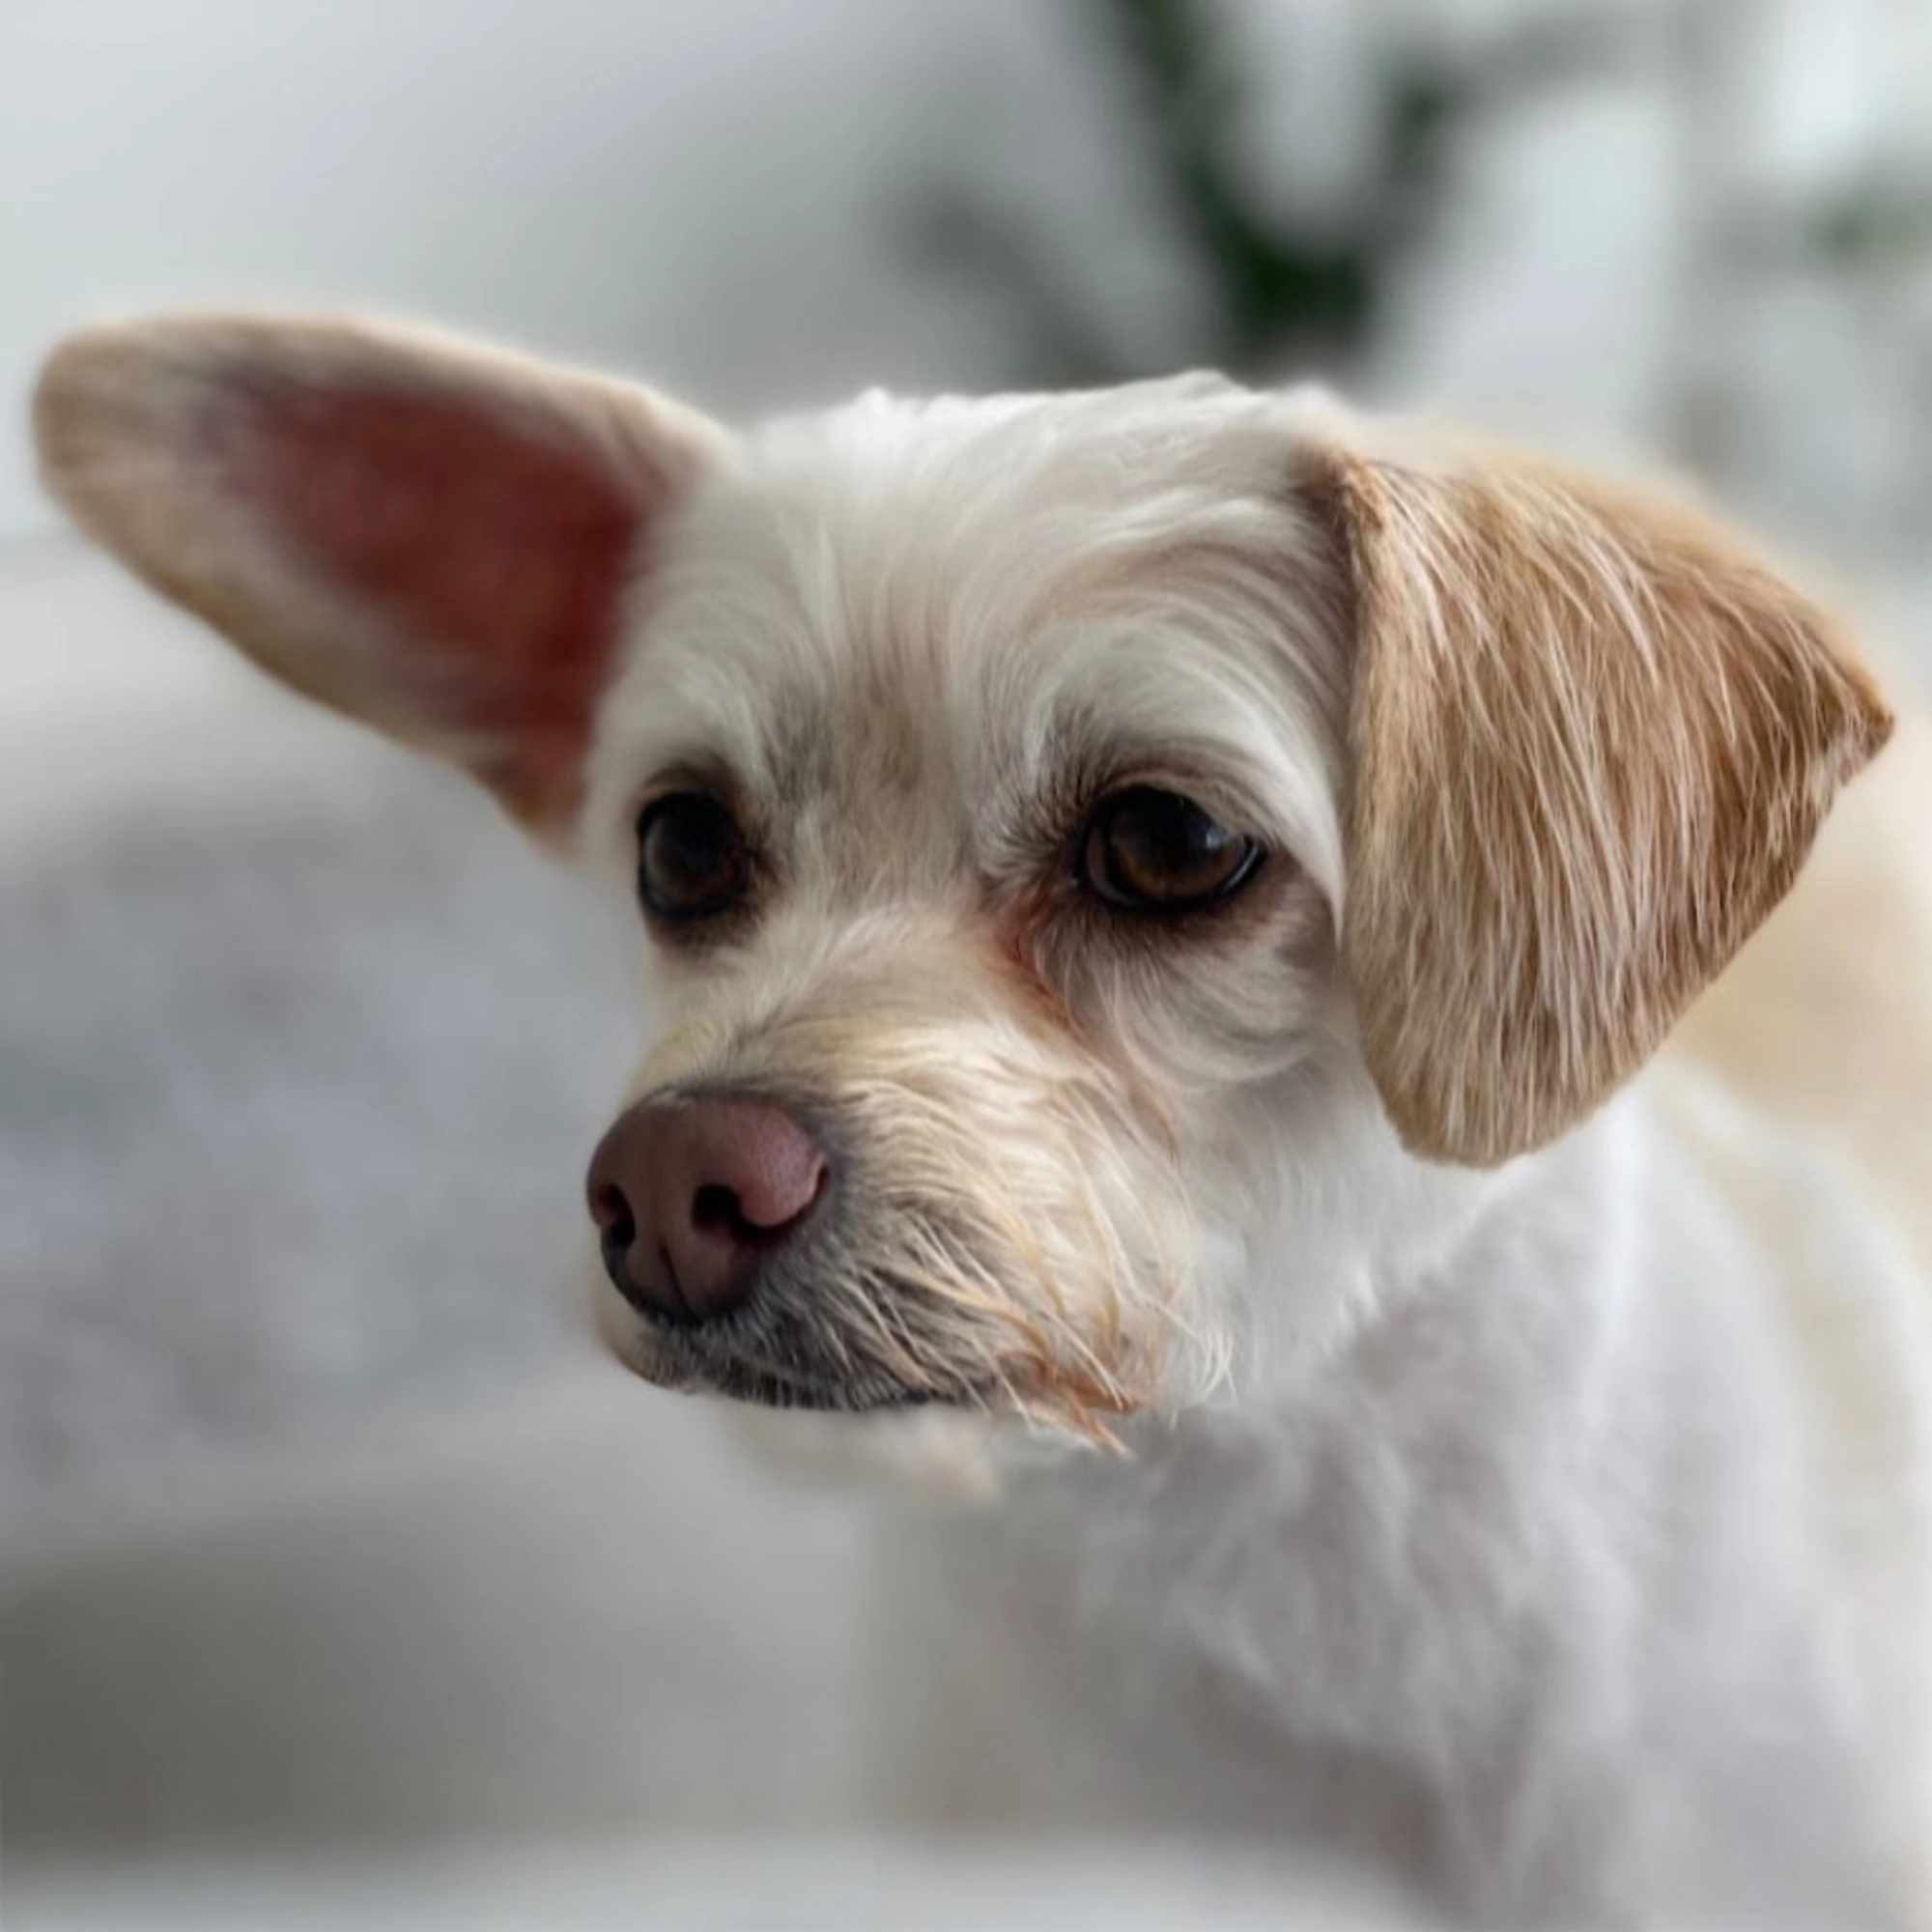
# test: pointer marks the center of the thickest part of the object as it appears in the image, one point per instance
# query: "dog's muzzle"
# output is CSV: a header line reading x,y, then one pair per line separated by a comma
x,y
726,1223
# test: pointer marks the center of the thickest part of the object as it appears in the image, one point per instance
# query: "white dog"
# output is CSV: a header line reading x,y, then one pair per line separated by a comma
x,y
1158,895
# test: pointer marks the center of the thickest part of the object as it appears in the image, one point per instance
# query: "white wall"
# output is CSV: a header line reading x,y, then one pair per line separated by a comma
x,y
706,193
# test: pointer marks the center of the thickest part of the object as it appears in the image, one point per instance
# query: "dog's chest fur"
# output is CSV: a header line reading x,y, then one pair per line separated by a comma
x,y
1540,1594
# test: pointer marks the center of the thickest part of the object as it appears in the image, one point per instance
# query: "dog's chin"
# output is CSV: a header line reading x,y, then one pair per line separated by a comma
x,y
704,1363
767,1390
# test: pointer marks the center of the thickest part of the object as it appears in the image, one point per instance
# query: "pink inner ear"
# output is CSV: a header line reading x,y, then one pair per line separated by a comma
x,y
499,554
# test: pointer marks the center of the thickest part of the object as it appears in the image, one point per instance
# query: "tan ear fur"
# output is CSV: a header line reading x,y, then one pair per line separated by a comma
x,y
428,535
1592,742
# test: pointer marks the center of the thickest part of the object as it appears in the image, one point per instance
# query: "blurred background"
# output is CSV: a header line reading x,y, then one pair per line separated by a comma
x,y
324,1537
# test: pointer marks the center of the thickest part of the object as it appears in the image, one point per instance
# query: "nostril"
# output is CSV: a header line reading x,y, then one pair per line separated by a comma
x,y
611,1213
721,1209
718,1210
616,1236
713,1206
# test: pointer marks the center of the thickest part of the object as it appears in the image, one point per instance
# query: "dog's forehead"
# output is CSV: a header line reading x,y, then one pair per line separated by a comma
x,y
939,600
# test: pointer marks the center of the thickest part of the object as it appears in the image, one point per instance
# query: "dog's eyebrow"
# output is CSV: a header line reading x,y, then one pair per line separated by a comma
x,y
1182,729
697,770
703,726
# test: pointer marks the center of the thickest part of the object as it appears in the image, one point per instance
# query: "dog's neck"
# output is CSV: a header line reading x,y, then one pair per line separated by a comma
x,y
1516,1510
1346,1240
1482,1321
1423,1450
1401,1518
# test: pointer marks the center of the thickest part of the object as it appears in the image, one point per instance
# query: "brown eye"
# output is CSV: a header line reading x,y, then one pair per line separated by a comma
x,y
693,860
1147,850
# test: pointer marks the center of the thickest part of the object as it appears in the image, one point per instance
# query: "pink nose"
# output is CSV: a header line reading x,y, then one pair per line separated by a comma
x,y
690,1196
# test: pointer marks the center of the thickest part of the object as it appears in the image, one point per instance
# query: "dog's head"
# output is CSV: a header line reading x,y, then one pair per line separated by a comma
x,y
1113,864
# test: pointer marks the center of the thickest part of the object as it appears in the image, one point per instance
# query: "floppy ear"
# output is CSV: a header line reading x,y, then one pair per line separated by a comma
x,y
432,537
1591,744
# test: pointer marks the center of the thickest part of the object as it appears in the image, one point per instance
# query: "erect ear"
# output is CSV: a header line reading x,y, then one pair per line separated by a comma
x,y
1591,741
430,536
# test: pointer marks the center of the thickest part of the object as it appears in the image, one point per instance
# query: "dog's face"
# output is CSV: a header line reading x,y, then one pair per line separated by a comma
x,y
1115,866
1023,791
